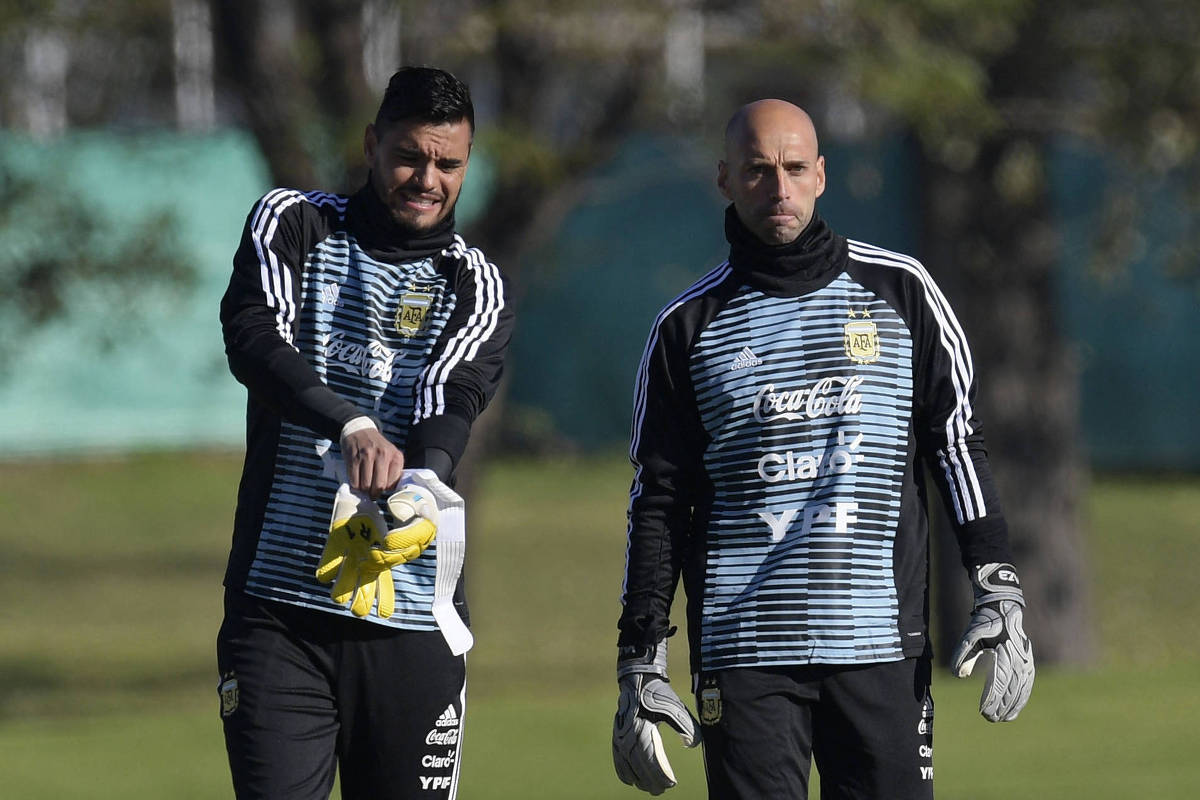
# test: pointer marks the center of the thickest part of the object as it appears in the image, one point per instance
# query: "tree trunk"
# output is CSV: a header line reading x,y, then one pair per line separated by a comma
x,y
991,245
297,70
257,59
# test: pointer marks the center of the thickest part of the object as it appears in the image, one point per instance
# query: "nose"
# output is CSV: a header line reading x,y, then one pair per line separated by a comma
x,y
779,184
422,176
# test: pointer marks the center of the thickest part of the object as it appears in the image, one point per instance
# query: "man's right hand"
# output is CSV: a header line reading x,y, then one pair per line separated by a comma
x,y
373,464
645,700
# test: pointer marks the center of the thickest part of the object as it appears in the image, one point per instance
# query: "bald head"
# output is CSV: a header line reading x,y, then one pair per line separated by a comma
x,y
772,171
768,115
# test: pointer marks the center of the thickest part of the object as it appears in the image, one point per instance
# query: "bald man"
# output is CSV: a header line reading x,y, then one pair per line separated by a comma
x,y
787,409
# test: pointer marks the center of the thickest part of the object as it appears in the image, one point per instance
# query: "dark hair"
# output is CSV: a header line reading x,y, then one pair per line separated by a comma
x,y
425,94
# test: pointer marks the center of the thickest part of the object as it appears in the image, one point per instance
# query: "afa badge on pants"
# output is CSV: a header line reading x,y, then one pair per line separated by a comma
x,y
229,694
710,705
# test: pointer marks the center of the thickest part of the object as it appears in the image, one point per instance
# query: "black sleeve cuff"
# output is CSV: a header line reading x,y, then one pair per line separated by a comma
x,y
447,432
321,409
435,459
642,631
984,541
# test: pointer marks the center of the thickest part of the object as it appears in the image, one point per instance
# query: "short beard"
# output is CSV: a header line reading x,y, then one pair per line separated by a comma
x,y
419,230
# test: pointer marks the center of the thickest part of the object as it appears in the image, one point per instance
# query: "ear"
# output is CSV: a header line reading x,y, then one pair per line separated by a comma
x,y
820,175
370,143
723,180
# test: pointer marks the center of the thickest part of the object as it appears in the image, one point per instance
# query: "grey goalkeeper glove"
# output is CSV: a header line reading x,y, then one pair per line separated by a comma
x,y
645,700
996,626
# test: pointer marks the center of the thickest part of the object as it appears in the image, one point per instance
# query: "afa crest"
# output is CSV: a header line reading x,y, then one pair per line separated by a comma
x,y
861,338
229,695
710,705
413,313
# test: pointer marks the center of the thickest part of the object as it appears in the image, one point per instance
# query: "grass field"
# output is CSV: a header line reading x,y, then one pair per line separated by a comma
x,y
112,572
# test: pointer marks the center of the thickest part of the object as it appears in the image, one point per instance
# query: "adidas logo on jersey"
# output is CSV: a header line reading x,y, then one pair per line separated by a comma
x,y
448,719
745,360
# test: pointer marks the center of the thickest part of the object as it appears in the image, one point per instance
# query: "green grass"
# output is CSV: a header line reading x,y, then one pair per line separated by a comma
x,y
112,574
1144,542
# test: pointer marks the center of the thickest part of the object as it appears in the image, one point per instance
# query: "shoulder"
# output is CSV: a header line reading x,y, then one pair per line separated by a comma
x,y
693,307
906,283
471,269
470,258
884,260
694,295
882,269
292,204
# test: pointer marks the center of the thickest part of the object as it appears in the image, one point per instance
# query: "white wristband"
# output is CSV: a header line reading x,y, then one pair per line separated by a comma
x,y
360,423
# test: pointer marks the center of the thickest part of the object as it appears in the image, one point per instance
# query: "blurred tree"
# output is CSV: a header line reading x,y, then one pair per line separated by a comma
x,y
55,251
76,64
294,73
85,63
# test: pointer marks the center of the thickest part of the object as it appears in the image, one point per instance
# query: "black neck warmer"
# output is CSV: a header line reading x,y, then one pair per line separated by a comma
x,y
807,263
380,235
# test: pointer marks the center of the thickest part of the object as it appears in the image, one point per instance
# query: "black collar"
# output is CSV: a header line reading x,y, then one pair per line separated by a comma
x,y
379,233
807,263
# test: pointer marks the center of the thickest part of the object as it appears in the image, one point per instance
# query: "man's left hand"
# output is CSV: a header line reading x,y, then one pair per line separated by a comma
x,y
996,627
416,515
355,528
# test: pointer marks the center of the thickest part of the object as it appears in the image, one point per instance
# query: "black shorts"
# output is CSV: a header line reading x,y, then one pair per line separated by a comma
x,y
304,693
870,729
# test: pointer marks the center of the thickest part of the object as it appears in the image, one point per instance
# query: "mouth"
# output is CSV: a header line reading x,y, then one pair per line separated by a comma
x,y
418,202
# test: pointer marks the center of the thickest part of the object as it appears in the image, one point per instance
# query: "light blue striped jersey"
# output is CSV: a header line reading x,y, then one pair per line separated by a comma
x,y
782,425
412,340
806,449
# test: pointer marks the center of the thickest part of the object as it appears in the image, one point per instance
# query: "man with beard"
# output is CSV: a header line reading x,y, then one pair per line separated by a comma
x,y
786,409
369,337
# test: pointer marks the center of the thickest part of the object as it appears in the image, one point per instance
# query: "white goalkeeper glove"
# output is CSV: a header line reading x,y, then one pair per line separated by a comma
x,y
995,627
645,700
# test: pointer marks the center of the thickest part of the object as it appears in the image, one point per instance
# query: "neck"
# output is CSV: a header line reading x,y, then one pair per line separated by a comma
x,y
803,264
381,232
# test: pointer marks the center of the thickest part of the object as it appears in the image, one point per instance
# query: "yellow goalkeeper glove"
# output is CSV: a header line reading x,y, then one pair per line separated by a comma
x,y
356,526
361,556
415,514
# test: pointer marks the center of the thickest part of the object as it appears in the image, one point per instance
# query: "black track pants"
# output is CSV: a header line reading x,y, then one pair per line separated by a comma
x,y
305,692
870,729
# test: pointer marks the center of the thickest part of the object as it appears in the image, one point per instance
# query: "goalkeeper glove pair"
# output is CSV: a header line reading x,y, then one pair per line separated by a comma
x,y
361,549
645,700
